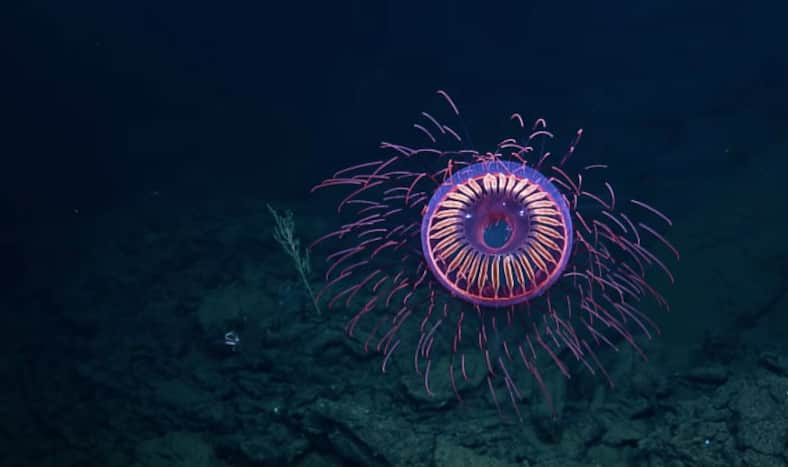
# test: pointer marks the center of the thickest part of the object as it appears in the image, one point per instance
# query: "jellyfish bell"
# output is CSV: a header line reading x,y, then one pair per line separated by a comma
x,y
497,233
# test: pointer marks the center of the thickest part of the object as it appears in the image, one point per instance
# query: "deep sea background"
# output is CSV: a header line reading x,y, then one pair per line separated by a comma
x,y
141,142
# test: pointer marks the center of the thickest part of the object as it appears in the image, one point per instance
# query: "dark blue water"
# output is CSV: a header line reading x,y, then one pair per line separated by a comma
x,y
150,316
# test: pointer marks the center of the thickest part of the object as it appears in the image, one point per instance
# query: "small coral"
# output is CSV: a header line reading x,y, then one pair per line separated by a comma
x,y
284,234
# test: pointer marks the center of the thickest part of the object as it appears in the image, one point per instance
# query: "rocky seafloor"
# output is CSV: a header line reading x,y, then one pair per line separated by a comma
x,y
128,365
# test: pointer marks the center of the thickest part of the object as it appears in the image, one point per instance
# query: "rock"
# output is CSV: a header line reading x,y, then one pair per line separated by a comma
x,y
365,437
742,422
273,444
314,459
762,430
623,433
182,399
177,449
714,375
440,381
752,403
590,430
765,436
449,454
774,362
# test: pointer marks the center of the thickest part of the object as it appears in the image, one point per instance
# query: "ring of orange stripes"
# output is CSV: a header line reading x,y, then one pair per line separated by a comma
x,y
528,262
